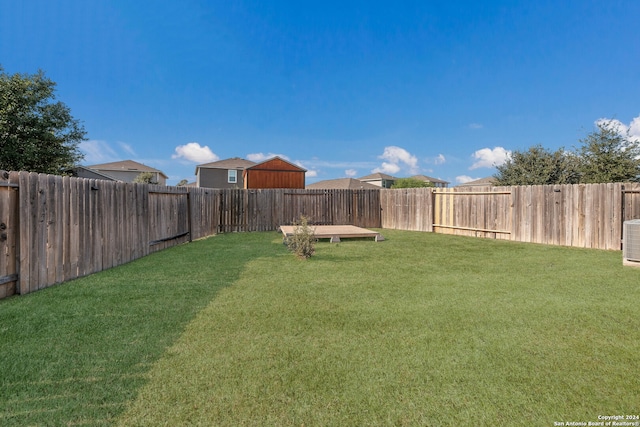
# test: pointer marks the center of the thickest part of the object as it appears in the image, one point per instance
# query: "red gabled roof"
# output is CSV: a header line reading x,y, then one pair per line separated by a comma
x,y
276,163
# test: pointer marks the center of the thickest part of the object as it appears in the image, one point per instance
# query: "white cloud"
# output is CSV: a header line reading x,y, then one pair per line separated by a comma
x,y
463,179
632,130
96,152
475,126
388,168
351,173
489,158
261,157
440,159
614,123
311,174
395,156
127,148
194,152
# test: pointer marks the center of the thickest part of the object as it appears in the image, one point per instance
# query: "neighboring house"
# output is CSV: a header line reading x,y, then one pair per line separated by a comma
x,y
274,173
124,171
379,179
88,173
342,184
226,173
482,182
438,183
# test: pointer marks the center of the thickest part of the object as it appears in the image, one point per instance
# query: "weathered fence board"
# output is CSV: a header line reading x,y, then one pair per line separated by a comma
x,y
9,221
483,212
409,209
53,229
169,223
72,227
581,215
265,210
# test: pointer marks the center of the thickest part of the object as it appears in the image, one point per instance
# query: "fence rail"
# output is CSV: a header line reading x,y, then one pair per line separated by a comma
x,y
580,215
54,229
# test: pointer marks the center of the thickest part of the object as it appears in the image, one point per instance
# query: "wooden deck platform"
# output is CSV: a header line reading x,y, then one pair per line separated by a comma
x,y
335,232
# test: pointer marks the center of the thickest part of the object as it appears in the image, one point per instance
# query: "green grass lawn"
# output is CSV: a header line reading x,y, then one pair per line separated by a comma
x,y
421,329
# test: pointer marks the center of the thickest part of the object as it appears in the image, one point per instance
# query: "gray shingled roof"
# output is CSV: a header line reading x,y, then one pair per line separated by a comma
x,y
429,179
125,165
479,182
342,184
232,163
377,175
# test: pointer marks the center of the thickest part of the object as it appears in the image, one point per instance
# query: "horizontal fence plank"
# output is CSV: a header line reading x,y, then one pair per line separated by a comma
x,y
581,215
72,227
60,228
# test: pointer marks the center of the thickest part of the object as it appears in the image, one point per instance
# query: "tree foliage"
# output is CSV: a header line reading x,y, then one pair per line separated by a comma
x,y
37,133
538,166
606,155
411,183
609,156
145,178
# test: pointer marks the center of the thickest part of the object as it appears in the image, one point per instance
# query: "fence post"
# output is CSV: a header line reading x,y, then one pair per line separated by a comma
x,y
9,234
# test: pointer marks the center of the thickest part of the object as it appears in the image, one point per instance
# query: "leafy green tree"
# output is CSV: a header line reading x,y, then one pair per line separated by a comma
x,y
145,178
411,183
606,155
37,134
182,183
538,166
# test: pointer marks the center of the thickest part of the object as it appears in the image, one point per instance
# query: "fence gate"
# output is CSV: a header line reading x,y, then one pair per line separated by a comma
x,y
480,213
169,217
8,233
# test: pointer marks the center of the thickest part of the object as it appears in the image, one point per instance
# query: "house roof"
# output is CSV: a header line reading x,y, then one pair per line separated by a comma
x,y
376,176
276,159
232,163
429,179
125,166
342,184
479,182
95,172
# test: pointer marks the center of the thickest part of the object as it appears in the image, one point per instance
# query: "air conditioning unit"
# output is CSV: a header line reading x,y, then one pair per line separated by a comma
x,y
631,243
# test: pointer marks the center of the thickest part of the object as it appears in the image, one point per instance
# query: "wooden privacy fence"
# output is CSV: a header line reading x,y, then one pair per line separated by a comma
x,y
54,229
63,228
8,232
581,215
265,210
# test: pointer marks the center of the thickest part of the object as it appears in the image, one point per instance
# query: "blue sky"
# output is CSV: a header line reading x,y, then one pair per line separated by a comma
x,y
343,88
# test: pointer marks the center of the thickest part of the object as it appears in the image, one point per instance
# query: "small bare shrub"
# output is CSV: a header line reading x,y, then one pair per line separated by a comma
x,y
303,241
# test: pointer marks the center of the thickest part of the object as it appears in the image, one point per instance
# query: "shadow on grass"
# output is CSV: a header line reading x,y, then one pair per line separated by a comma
x,y
78,352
